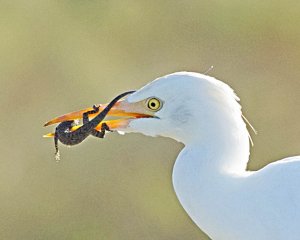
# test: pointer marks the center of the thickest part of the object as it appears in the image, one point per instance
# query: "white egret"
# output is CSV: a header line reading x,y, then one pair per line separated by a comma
x,y
210,178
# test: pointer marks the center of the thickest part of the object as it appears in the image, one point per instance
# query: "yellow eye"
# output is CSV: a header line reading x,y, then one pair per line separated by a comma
x,y
154,104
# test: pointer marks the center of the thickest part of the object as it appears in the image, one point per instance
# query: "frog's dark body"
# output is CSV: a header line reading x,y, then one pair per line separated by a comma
x,y
64,134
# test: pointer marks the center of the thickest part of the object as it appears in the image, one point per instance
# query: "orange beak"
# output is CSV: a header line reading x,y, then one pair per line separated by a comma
x,y
127,111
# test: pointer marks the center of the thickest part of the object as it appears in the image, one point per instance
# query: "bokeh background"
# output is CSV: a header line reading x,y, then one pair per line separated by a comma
x,y
60,56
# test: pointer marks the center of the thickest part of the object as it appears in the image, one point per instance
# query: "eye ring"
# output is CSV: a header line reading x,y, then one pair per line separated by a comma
x,y
154,104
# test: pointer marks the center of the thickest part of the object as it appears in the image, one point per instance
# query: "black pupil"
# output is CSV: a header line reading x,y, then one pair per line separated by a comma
x,y
152,104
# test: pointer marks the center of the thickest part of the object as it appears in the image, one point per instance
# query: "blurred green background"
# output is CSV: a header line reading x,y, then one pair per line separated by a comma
x,y
60,56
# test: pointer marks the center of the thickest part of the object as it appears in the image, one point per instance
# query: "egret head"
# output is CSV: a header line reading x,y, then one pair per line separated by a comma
x,y
180,105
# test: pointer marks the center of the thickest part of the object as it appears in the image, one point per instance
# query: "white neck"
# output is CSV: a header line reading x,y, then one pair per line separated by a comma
x,y
206,168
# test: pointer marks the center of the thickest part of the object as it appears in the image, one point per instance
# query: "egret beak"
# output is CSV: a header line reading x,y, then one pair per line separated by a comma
x,y
123,112
118,110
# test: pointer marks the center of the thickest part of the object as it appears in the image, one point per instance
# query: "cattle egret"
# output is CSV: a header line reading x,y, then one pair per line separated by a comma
x,y
209,176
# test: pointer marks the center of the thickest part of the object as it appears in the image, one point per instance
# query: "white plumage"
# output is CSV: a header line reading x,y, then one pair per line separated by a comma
x,y
209,176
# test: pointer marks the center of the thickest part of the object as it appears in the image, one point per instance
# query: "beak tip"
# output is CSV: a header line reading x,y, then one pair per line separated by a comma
x,y
49,123
48,135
